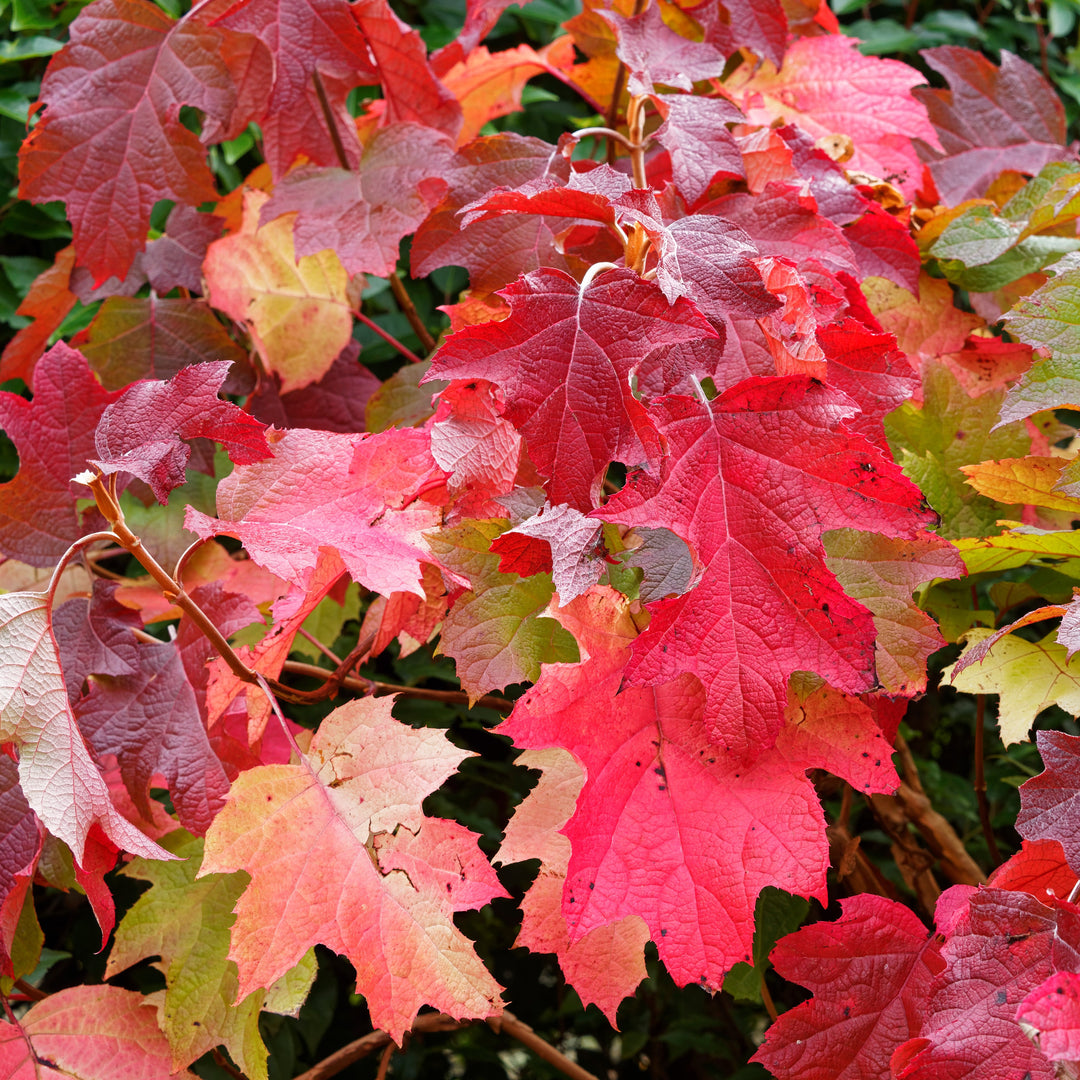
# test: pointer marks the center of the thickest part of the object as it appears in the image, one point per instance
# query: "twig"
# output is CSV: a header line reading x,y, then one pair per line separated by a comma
x,y
108,504
375,1040
980,782
401,295
384,1061
387,337
525,1035
378,689
28,991
612,118
307,635
767,1001
223,1063
331,121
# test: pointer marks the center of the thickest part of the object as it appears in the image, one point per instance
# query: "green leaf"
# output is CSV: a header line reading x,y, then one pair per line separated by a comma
x,y
931,443
27,48
777,913
186,923
325,622
497,633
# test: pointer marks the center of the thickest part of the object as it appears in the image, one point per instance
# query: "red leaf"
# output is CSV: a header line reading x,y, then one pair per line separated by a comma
x,y
871,370
143,433
654,53
111,164
154,719
869,976
1050,1016
1050,802
471,441
363,213
990,119
20,842
884,247
494,252
606,964
305,37
412,93
644,839
562,360
175,259
759,25
489,85
54,435
779,222
999,947
701,147
337,402
1039,868
827,87
711,261
89,1032
751,483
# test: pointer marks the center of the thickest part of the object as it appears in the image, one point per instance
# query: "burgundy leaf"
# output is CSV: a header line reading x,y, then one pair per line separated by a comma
x,y
869,974
1050,802
653,53
363,213
988,120
54,435
306,38
337,402
700,145
750,483
175,259
143,433
562,360
111,163
494,252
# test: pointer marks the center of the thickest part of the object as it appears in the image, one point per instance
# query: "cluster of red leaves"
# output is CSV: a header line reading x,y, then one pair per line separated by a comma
x,y
695,311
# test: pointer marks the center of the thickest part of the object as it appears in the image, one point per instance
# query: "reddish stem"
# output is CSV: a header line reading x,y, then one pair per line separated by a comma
x,y
387,337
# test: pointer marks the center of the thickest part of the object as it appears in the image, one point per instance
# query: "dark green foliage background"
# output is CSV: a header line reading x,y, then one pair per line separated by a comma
x,y
664,1031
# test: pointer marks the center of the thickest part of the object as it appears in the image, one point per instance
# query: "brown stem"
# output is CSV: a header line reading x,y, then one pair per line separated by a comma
x,y
61,566
387,337
384,1061
404,300
375,1040
540,1047
28,991
331,121
612,118
980,782
986,12
334,679
109,506
377,689
910,13
767,1001
223,1063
